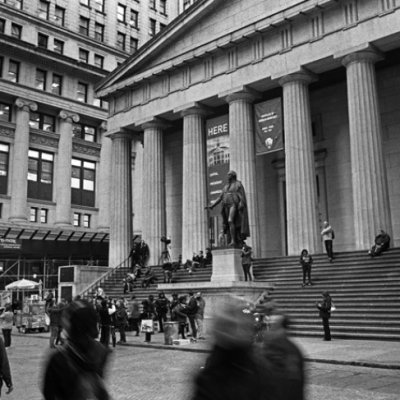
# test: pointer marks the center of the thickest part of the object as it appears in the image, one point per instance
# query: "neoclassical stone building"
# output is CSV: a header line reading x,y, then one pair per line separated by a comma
x,y
335,66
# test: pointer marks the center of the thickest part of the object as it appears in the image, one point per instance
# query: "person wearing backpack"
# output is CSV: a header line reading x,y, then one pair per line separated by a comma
x,y
191,312
328,235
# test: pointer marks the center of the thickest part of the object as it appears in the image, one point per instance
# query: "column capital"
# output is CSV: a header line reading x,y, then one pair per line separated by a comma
x,y
194,108
302,76
153,123
368,56
243,93
26,105
121,134
68,116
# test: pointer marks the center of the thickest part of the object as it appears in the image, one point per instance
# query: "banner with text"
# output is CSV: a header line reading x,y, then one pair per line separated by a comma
x,y
10,244
268,126
218,155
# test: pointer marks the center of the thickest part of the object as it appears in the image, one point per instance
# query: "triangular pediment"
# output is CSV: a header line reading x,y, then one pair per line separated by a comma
x,y
203,28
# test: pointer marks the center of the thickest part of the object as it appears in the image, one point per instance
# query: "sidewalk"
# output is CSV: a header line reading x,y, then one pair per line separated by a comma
x,y
366,353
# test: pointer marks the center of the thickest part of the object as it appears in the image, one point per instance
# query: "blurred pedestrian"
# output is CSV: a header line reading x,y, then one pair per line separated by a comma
x,y
134,315
7,321
105,313
148,314
199,317
284,361
75,371
162,305
180,315
324,308
191,311
232,370
246,262
5,372
121,321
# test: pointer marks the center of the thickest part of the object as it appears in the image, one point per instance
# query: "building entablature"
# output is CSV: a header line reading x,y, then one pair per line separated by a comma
x,y
50,100
255,65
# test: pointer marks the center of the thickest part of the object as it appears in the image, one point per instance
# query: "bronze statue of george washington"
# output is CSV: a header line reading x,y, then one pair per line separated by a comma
x,y
234,211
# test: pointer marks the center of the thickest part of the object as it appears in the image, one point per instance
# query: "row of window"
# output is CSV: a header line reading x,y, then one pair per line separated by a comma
x,y
41,176
41,215
41,83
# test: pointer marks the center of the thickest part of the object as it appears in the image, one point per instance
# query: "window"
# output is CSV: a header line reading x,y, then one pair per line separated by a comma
x,y
84,26
134,20
133,45
13,71
16,31
40,175
5,112
83,182
85,132
209,68
121,13
99,5
42,121
43,11
82,92
99,32
59,15
33,214
77,219
43,215
152,29
317,26
98,103
388,5
83,56
56,84
232,58
4,157
43,41
163,7
121,41
18,4
186,4
286,38
2,25
152,4
162,26
98,61
40,79
58,46
85,3
86,220
351,12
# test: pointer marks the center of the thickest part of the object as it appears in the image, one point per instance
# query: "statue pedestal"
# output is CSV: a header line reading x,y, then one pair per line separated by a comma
x,y
227,266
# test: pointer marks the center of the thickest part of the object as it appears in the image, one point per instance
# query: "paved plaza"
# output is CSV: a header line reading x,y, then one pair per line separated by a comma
x,y
156,372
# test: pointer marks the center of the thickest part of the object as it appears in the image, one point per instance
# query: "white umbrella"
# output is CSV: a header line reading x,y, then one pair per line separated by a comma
x,y
23,284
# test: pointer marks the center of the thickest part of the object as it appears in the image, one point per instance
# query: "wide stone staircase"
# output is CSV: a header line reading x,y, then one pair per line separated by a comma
x,y
365,292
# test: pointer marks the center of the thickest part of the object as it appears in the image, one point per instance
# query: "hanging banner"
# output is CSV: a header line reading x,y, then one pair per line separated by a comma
x,y
218,156
268,126
10,244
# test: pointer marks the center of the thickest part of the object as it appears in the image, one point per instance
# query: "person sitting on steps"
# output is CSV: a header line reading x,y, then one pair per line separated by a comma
x,y
382,243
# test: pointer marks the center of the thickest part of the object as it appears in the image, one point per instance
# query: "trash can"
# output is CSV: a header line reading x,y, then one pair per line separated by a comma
x,y
170,331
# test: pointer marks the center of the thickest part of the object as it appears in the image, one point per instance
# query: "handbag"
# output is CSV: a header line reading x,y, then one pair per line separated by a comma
x,y
333,234
147,326
333,308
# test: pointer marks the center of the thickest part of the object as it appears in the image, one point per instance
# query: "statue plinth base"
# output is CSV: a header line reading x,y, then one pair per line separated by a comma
x,y
227,266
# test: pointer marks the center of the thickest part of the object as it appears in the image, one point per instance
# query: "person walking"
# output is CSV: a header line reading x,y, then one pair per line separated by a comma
x,y
306,262
199,317
134,315
5,371
7,320
191,311
246,262
149,313
324,308
55,321
162,306
180,315
121,321
328,235
105,313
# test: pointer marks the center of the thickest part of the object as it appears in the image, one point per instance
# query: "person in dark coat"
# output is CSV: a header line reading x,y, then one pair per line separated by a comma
x,y
324,308
121,321
382,243
191,311
105,313
75,371
306,262
173,303
180,315
162,306
149,312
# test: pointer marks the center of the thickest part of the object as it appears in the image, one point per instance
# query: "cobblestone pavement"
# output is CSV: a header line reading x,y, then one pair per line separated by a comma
x,y
137,373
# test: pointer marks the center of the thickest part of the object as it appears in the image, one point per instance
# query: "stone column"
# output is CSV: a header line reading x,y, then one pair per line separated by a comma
x,y
301,194
370,190
121,199
105,179
19,188
194,195
64,168
153,206
243,158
